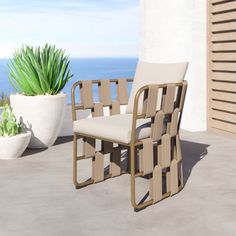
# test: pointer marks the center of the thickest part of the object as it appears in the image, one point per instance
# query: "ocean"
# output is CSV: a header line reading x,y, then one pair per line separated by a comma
x,y
83,69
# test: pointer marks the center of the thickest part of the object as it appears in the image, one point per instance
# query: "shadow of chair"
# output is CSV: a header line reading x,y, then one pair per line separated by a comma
x,y
192,153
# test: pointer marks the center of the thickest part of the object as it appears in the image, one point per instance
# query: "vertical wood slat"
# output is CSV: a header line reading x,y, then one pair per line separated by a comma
x,y
147,156
115,165
98,167
151,101
105,92
178,149
115,108
164,151
122,91
174,122
174,177
183,94
168,182
86,94
156,184
98,110
157,126
107,147
89,147
169,98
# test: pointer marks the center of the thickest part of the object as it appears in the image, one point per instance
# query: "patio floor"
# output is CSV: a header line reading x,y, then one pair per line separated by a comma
x,y
37,197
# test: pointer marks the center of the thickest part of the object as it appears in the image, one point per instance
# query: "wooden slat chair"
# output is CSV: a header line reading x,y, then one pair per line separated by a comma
x,y
148,131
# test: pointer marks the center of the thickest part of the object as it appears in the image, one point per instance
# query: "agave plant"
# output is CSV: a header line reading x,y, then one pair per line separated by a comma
x,y
35,71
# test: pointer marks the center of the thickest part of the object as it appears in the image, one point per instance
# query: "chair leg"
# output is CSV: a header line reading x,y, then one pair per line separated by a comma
x,y
132,178
75,167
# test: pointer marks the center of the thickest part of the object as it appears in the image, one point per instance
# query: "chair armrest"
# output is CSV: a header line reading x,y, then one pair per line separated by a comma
x,y
169,96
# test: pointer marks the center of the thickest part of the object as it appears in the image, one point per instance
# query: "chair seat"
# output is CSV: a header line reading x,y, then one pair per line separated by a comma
x,y
115,128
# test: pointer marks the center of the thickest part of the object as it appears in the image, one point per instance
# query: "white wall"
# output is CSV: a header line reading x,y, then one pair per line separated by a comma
x,y
173,31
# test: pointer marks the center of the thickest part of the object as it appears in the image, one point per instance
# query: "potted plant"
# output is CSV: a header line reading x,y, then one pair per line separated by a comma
x,y
12,141
39,75
4,99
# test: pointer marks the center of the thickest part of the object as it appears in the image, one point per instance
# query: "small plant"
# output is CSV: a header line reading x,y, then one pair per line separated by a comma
x,y
38,71
9,125
4,99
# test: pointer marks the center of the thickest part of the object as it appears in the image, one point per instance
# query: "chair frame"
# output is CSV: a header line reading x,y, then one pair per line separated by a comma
x,y
134,145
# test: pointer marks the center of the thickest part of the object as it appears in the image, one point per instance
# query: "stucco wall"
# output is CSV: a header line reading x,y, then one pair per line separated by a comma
x,y
173,31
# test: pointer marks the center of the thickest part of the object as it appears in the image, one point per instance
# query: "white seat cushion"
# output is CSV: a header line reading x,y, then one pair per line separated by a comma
x,y
116,128
155,73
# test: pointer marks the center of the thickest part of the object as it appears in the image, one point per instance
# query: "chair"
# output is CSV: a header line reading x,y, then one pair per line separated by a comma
x,y
148,133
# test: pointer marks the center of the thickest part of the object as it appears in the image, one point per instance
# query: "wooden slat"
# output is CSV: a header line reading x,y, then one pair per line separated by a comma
x,y
115,108
225,116
147,155
115,165
164,151
224,126
183,94
223,17
107,147
86,94
98,110
174,122
174,177
156,184
223,47
230,87
157,126
223,56
89,147
98,167
218,66
231,107
122,91
230,97
223,76
169,98
167,182
178,149
152,101
223,37
105,93
227,6
223,27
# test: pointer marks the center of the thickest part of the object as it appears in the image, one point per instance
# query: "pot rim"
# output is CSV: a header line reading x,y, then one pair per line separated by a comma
x,y
17,136
40,95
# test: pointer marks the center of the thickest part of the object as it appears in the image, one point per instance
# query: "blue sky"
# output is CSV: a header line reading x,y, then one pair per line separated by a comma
x,y
85,28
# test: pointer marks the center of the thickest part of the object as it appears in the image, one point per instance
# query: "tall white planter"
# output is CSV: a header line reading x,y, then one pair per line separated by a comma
x,y
42,115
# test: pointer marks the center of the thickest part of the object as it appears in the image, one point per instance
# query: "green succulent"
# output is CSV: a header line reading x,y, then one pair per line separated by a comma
x,y
9,125
38,71
4,99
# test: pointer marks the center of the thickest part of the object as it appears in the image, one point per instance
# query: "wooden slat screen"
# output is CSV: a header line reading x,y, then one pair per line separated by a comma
x,y
222,66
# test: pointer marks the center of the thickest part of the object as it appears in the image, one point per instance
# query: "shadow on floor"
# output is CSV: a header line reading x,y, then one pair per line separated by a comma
x,y
32,151
192,153
62,140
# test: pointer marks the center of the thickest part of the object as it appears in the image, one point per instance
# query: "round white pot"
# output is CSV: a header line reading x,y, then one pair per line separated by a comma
x,y
42,115
13,147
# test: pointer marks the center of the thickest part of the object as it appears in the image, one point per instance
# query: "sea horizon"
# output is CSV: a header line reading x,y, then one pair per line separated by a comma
x,y
83,68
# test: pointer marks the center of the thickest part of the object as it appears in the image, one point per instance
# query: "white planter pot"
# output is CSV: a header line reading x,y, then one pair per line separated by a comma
x,y
42,115
13,147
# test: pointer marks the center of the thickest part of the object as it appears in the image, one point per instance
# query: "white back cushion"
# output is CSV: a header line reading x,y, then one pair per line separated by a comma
x,y
155,73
